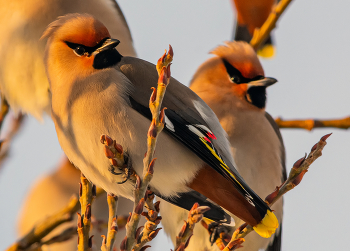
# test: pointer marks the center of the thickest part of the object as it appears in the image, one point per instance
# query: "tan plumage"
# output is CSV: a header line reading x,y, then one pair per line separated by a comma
x,y
22,75
255,140
24,84
95,91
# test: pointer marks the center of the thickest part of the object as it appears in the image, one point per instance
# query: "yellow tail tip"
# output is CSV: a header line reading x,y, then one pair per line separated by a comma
x,y
268,51
267,226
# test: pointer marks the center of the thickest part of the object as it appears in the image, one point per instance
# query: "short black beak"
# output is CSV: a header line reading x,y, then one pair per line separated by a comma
x,y
262,82
110,43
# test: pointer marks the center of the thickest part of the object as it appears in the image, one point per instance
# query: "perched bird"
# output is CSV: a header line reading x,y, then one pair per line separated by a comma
x,y
95,91
251,15
23,81
233,84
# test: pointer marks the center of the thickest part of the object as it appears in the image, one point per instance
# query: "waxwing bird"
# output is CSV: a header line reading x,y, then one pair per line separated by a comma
x,y
233,84
251,15
52,193
24,84
23,81
95,91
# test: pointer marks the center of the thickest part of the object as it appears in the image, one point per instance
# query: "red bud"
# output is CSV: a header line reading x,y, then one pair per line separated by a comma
x,y
204,224
113,162
80,189
151,166
299,162
156,206
139,207
153,95
145,247
80,221
138,232
152,131
298,179
118,147
109,154
153,234
162,115
104,240
326,136
314,147
88,211
269,198
103,138
171,52
123,244
90,241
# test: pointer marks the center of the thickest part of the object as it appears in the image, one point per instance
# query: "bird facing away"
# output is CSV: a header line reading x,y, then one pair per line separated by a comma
x,y
96,91
23,81
233,84
252,14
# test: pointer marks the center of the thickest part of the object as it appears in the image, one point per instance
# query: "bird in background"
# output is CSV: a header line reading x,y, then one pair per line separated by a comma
x,y
250,15
23,80
95,90
233,84
24,84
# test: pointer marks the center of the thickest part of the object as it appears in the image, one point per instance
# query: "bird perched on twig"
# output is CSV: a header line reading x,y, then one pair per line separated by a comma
x,y
95,90
234,85
251,15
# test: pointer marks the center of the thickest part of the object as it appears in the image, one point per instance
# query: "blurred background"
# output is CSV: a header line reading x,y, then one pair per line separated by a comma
x,y
311,65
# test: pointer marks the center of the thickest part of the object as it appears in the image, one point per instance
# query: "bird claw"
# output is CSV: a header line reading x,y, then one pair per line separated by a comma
x,y
217,230
127,170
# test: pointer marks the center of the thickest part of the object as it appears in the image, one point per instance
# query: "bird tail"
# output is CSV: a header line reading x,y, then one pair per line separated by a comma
x,y
267,49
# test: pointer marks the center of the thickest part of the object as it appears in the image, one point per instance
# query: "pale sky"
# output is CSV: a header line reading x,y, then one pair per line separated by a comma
x,y
311,65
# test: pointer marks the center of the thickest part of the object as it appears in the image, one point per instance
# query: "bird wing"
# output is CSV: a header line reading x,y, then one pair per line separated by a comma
x,y
190,121
283,150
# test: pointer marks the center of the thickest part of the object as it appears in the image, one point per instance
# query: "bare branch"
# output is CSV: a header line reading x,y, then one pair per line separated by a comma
x,y
43,228
157,125
86,192
194,216
296,174
310,124
260,35
107,243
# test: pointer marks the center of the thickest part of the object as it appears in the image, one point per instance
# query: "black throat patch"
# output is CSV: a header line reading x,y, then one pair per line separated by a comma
x,y
257,96
106,59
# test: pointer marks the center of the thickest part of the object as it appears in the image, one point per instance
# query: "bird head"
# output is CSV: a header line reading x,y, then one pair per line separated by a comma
x,y
235,72
80,43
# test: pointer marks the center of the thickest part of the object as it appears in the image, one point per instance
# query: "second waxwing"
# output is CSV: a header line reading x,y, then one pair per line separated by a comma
x,y
96,90
23,80
251,15
234,85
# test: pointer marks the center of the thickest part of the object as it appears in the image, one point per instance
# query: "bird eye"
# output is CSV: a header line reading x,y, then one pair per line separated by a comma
x,y
79,50
236,79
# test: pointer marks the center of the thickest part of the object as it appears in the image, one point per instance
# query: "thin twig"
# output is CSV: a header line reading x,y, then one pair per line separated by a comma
x,y
107,243
86,192
195,215
149,230
43,228
310,124
295,176
157,125
260,35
